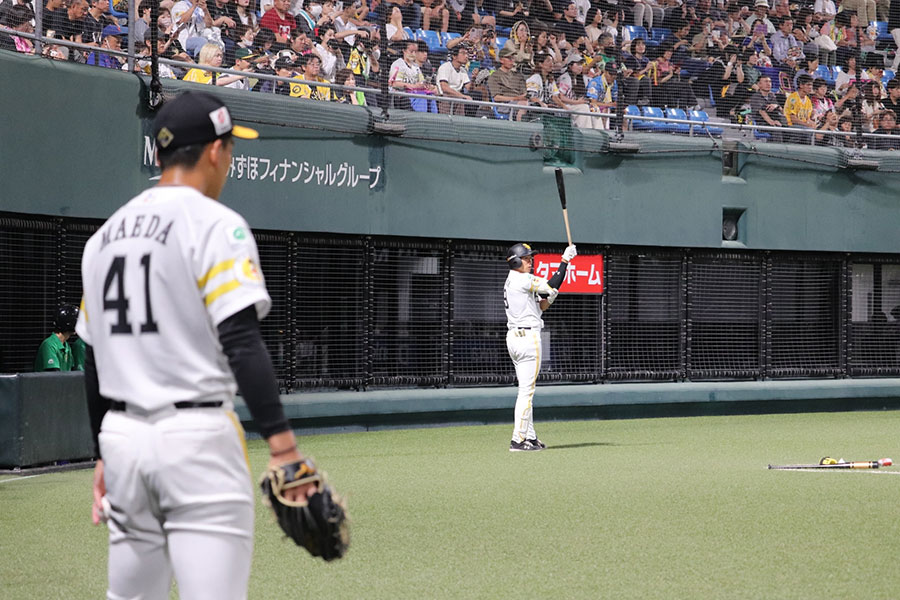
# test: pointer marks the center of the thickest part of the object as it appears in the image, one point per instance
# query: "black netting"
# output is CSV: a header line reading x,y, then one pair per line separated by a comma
x,y
329,313
724,317
409,314
804,317
74,236
29,268
644,316
274,258
478,346
874,332
573,329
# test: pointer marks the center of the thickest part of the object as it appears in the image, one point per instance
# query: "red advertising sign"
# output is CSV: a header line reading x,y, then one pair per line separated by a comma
x,y
583,276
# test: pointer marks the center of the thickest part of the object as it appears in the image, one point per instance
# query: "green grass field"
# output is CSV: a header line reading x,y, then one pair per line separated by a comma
x,y
648,508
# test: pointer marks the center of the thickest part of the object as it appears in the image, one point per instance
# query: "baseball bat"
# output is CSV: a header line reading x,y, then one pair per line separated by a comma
x,y
868,464
561,188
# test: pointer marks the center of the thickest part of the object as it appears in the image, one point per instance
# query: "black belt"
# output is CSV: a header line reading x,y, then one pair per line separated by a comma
x,y
523,327
119,406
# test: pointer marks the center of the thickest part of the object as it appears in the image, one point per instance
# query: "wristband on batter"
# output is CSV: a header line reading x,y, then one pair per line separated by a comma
x,y
559,276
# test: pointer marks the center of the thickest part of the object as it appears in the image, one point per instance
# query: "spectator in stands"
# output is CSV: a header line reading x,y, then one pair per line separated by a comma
x,y
735,25
894,29
283,68
19,20
541,87
766,107
871,105
821,103
213,55
507,85
452,82
573,93
163,49
807,66
760,15
637,74
668,88
346,77
544,43
55,51
365,57
72,27
462,15
786,50
844,35
244,12
875,72
603,91
95,20
425,66
329,51
142,24
279,21
394,28
827,122
844,80
110,39
887,125
864,9
509,12
435,10
523,48
593,25
892,102
221,15
310,65
824,10
55,353
798,110
405,74
54,13
806,32
191,20
573,30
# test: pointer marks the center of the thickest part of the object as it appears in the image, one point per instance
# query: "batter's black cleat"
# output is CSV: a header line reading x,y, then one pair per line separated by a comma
x,y
536,442
523,446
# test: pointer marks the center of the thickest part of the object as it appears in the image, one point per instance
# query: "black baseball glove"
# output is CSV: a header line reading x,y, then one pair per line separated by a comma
x,y
318,523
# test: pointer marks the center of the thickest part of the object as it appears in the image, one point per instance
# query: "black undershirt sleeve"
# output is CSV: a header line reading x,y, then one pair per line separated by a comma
x,y
557,279
252,367
97,404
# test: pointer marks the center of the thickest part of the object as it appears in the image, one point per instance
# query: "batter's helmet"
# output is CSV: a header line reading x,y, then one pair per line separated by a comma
x,y
66,316
516,253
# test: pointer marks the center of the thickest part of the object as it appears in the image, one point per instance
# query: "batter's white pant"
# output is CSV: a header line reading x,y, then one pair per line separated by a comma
x,y
181,494
524,347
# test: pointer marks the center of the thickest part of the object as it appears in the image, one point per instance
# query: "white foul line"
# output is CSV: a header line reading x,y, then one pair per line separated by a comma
x,y
18,478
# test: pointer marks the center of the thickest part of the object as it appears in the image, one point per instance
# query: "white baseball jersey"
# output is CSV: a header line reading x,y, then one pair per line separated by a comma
x,y
159,276
520,297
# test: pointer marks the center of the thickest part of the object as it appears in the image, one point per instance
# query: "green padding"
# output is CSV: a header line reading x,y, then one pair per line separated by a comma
x,y
323,405
10,431
53,420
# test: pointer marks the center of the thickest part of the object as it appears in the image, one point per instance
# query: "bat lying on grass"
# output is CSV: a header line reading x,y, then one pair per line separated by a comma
x,y
827,463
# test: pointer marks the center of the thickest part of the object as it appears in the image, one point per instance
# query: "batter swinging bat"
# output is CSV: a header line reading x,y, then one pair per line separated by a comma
x,y
868,464
561,187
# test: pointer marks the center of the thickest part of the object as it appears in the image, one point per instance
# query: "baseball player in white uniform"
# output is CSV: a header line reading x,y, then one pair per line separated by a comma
x,y
525,297
172,297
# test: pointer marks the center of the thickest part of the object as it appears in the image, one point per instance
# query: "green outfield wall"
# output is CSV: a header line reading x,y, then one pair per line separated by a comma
x,y
44,419
75,143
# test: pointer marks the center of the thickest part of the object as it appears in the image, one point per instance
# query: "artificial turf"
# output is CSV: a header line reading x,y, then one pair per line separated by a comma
x,y
642,508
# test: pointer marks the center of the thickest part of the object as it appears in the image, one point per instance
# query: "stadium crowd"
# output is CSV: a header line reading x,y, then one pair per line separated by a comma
x,y
817,65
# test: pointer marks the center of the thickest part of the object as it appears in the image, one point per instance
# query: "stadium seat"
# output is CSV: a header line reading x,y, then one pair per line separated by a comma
x,y
660,34
652,111
504,31
636,31
823,72
701,117
446,36
410,34
433,39
636,124
888,75
761,135
501,41
881,27
678,113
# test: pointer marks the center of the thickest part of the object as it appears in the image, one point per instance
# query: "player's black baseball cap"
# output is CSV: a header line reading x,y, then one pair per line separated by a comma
x,y
195,118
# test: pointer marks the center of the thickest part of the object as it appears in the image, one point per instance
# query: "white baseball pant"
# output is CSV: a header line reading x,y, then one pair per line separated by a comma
x,y
182,498
524,346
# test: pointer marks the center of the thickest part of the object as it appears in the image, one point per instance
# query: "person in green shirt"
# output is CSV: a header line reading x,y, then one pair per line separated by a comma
x,y
54,353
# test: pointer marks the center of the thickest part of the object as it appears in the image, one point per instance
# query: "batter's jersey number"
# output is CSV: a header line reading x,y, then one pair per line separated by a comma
x,y
115,282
